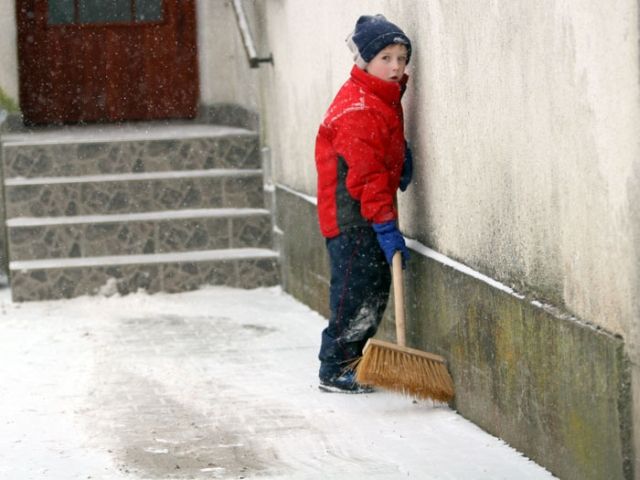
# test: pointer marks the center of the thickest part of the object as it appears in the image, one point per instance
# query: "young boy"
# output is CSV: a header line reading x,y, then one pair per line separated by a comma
x,y
362,158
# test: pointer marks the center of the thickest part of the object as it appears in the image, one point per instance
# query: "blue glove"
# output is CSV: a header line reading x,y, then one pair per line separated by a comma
x,y
407,167
391,240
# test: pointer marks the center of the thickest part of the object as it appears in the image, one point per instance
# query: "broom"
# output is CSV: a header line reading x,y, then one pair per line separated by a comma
x,y
396,367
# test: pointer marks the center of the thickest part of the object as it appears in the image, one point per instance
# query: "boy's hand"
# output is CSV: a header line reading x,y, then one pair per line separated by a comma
x,y
407,167
391,241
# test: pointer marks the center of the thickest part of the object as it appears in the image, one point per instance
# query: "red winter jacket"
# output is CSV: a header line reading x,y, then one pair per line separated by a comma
x,y
360,153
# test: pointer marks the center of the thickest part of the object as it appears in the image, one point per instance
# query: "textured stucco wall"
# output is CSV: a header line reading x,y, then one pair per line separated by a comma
x,y
225,76
524,120
532,117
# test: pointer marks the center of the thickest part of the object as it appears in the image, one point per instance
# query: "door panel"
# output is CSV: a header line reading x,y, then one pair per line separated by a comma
x,y
101,11
61,11
107,60
148,10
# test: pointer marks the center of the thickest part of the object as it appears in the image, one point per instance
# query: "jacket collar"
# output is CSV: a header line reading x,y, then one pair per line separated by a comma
x,y
389,92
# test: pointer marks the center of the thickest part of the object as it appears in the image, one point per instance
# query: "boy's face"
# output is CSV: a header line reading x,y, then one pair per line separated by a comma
x,y
389,63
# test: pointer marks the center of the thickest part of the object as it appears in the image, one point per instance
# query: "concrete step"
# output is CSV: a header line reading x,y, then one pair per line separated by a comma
x,y
163,207
129,148
133,192
33,280
138,233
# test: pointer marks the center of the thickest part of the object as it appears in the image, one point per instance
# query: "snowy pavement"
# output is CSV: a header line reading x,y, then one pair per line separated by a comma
x,y
217,383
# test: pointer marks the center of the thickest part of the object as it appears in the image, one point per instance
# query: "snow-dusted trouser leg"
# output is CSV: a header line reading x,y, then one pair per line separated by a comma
x,y
360,280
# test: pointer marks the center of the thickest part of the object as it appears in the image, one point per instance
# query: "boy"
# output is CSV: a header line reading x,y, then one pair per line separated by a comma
x,y
362,159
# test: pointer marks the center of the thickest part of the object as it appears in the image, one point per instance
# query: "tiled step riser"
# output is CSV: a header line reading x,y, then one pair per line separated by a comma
x,y
139,237
102,198
56,283
134,175
33,161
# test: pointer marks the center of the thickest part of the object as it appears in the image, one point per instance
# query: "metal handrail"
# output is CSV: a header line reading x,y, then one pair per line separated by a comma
x,y
247,38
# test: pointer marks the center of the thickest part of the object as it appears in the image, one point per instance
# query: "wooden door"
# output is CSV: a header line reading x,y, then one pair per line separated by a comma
x,y
107,60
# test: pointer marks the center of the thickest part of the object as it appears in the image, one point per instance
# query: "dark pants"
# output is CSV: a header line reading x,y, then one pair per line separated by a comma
x,y
360,279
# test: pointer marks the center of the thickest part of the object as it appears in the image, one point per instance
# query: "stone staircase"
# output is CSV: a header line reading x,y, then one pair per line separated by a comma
x,y
159,207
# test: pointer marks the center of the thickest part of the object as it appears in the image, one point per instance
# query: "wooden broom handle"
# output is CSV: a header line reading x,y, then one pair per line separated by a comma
x,y
398,299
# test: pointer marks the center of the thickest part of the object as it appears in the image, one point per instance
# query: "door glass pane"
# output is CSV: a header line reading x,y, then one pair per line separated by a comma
x,y
60,11
105,11
148,10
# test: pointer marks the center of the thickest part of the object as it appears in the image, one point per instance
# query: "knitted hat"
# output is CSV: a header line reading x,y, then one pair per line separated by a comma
x,y
372,34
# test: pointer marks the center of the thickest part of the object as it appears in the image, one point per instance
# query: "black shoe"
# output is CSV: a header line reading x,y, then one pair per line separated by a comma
x,y
344,383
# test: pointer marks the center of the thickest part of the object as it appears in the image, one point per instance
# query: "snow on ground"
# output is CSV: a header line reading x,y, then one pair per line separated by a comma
x,y
217,383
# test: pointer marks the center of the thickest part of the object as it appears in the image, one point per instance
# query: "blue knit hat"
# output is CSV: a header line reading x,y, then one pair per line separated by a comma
x,y
372,34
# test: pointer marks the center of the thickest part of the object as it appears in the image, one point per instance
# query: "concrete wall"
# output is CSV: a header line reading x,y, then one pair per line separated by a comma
x,y
524,119
525,125
8,57
225,75
9,102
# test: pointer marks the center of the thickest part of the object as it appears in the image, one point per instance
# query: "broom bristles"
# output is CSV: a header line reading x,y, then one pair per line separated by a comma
x,y
405,370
